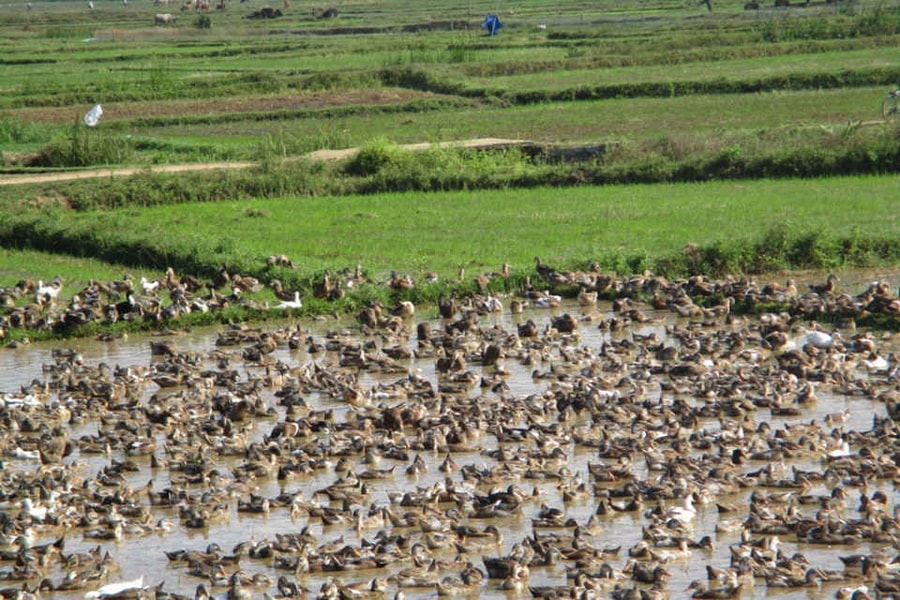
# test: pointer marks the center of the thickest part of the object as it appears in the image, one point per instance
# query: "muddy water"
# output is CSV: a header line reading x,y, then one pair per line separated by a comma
x,y
144,556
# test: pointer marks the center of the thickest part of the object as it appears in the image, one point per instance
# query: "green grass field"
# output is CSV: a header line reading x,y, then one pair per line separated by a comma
x,y
621,227
438,231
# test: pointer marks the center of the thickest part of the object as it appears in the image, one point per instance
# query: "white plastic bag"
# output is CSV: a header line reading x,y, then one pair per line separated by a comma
x,y
92,117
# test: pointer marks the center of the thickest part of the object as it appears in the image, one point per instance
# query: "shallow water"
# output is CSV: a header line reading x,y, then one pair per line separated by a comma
x,y
144,556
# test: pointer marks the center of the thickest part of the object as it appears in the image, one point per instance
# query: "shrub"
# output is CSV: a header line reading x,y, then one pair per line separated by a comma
x,y
372,158
814,249
85,147
882,20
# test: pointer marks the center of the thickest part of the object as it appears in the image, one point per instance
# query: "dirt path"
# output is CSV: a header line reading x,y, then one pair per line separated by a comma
x,y
326,155
117,172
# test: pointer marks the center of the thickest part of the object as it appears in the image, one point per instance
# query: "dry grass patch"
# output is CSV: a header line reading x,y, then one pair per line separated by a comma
x,y
288,101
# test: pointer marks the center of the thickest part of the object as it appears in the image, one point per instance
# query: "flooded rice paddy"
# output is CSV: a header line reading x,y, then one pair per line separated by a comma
x,y
602,433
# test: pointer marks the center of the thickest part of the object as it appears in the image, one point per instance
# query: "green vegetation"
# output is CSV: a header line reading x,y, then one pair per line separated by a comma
x,y
755,136
767,226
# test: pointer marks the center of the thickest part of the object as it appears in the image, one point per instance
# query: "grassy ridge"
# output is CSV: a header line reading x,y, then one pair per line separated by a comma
x,y
624,228
383,167
715,115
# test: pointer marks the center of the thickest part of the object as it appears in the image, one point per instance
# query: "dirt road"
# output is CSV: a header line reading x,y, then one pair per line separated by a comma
x,y
324,155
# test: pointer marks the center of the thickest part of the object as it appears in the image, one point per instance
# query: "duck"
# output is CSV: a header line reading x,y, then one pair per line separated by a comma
x,y
37,512
289,588
120,590
681,551
722,592
417,467
201,592
149,287
404,309
650,573
290,304
448,307
239,586
853,592
22,454
106,533
279,291
500,567
683,514
875,363
49,291
819,339
517,580
472,541
586,298
490,304
545,300
448,465
455,586
811,578
517,306
416,576
547,273
279,260
401,282
827,287
374,589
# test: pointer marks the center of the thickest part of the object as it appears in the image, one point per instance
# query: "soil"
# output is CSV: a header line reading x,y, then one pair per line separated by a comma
x,y
117,172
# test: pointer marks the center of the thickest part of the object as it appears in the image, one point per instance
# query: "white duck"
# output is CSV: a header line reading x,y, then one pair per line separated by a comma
x,y
50,290
23,454
546,300
114,589
841,451
875,363
149,287
295,303
35,511
491,304
820,339
683,514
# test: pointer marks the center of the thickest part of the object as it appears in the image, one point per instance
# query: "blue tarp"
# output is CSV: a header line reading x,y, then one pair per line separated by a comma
x,y
491,23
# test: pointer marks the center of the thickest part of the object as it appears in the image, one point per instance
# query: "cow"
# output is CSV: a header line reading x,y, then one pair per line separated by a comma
x,y
164,19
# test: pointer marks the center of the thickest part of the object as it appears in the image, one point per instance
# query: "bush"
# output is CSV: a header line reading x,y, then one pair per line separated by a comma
x,y
372,158
203,22
814,249
85,147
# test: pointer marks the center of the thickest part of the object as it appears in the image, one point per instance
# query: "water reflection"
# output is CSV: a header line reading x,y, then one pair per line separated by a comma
x,y
144,555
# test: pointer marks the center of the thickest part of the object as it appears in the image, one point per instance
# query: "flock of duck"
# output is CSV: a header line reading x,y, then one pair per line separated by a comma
x,y
36,305
402,456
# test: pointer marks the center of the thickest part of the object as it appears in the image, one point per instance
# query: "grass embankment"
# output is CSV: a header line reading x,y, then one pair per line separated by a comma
x,y
820,224
383,167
